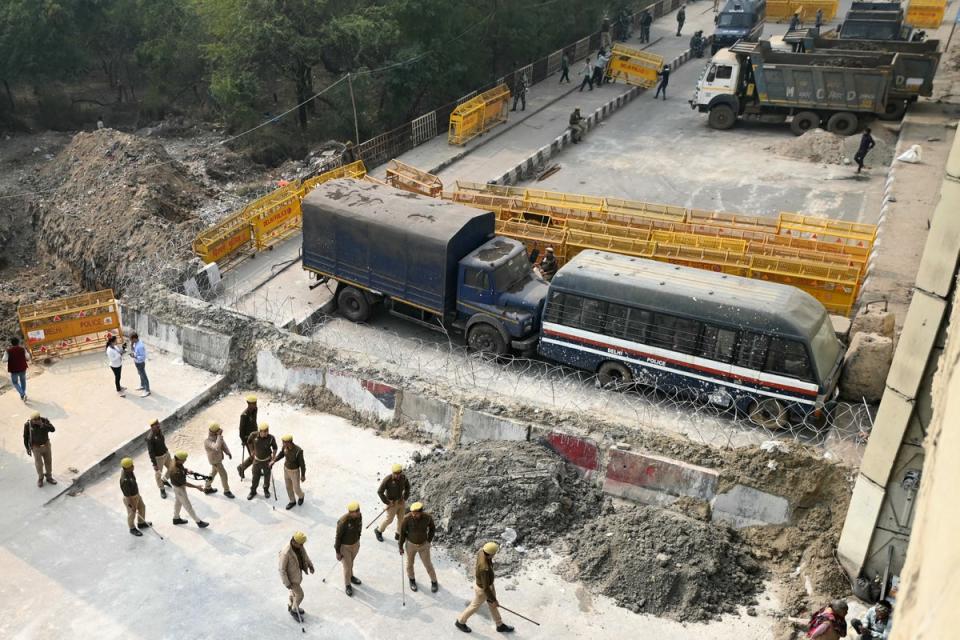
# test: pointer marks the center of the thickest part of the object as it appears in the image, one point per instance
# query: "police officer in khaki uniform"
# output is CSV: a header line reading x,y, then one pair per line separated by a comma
x,y
294,562
36,440
483,591
131,498
416,534
248,426
178,476
263,447
159,457
294,470
216,447
346,544
393,491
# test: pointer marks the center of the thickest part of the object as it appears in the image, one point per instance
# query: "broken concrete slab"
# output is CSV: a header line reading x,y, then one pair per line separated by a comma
x,y
655,479
274,375
368,397
874,320
430,415
578,451
476,426
866,367
744,506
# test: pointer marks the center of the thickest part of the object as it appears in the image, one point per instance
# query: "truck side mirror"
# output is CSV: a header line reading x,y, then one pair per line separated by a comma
x,y
712,74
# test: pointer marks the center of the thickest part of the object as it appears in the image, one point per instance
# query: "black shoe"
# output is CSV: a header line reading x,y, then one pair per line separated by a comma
x,y
251,495
355,580
179,521
202,524
349,591
136,532
266,493
166,483
413,585
209,490
144,525
229,495
379,535
300,501
50,480
434,587
291,505
163,493
462,627
504,628
396,536
300,611
295,614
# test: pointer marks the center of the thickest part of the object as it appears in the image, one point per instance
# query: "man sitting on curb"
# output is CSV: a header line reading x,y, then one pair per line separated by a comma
x,y
577,126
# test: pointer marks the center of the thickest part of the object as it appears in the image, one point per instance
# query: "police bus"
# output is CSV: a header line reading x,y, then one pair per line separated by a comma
x,y
766,349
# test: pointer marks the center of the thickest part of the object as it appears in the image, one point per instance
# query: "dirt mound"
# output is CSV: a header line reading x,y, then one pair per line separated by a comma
x,y
517,493
655,561
822,146
122,213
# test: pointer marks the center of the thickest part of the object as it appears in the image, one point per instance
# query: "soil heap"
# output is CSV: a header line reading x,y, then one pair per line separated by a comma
x,y
822,146
655,561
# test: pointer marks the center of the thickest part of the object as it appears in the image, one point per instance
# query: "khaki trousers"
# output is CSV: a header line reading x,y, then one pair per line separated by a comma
x,y
135,507
479,597
162,472
182,501
217,469
291,477
394,509
43,458
349,553
296,596
423,550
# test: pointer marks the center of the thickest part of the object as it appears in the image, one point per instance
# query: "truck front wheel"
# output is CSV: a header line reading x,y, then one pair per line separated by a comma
x,y
843,123
721,117
486,339
353,305
803,122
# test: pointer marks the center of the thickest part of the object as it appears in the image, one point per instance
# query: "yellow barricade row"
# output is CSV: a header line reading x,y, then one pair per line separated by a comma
x,y
782,10
402,176
926,13
226,238
273,223
70,325
478,115
633,66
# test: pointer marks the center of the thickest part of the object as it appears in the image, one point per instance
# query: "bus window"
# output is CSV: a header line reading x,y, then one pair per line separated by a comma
x,y
637,323
594,312
554,307
718,344
570,314
788,358
616,324
662,331
685,336
753,350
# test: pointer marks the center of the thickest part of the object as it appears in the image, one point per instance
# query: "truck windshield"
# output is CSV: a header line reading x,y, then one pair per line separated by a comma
x,y
511,272
735,20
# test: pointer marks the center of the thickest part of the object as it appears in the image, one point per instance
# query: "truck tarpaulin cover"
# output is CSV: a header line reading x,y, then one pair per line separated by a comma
x,y
394,242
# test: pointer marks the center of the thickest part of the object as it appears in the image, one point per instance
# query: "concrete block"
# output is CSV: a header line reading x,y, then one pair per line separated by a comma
x,y
206,349
942,249
578,451
642,476
747,507
841,326
866,367
428,414
891,424
874,320
365,396
858,527
272,374
477,426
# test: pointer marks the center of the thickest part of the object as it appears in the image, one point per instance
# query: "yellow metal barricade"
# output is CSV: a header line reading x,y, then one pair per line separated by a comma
x,y
478,115
926,13
808,10
276,220
70,325
224,239
402,176
780,9
355,170
828,230
633,66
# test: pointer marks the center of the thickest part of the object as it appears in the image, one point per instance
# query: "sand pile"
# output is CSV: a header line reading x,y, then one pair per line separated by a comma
x,y
822,146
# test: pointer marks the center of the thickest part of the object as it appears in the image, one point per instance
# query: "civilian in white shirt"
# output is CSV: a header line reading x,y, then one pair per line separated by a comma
x,y
115,360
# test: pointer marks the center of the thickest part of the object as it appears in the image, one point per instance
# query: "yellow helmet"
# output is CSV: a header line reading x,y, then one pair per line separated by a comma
x,y
34,415
491,548
416,506
127,463
180,455
154,421
287,438
214,427
300,537
353,506
251,399
264,426
397,468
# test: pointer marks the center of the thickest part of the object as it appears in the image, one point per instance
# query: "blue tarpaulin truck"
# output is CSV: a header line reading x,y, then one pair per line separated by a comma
x,y
427,260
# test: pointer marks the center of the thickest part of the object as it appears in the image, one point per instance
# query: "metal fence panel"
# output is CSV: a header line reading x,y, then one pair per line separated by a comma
x,y
424,128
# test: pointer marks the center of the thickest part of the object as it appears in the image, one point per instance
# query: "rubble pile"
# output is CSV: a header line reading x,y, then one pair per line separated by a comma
x,y
824,147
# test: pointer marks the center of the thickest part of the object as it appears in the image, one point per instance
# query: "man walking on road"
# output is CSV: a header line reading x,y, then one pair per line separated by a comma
x,y
646,19
416,534
16,358
139,355
664,80
681,18
263,447
483,591
294,562
294,470
564,68
36,439
178,476
248,426
587,74
216,447
136,510
346,543
159,457
520,93
393,491
866,143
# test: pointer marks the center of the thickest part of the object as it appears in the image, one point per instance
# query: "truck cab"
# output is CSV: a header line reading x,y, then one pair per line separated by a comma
x,y
739,20
719,83
499,299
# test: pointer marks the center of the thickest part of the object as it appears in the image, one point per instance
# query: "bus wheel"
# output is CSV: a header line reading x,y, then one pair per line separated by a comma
x,y
353,305
614,375
486,339
768,413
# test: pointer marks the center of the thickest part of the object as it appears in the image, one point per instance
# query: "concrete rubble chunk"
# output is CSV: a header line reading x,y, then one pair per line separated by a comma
x,y
866,367
747,507
873,320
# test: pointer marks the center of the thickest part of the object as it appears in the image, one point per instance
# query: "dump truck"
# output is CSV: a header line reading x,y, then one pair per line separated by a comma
x,y
426,260
914,65
751,81
739,20
874,21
